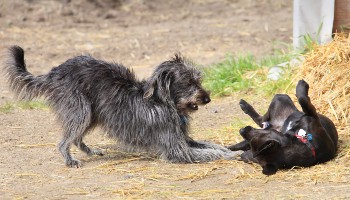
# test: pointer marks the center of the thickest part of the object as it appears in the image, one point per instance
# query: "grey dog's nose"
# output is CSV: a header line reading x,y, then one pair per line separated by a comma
x,y
206,100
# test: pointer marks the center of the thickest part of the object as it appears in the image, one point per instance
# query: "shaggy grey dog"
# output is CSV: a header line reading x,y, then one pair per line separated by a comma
x,y
151,115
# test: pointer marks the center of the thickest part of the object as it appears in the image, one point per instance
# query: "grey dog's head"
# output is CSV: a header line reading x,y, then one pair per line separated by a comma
x,y
177,82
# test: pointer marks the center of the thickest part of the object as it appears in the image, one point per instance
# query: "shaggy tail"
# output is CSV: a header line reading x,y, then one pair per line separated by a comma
x,y
23,83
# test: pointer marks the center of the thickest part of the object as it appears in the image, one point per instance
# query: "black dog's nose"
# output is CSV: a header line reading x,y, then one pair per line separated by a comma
x,y
241,131
206,100
244,131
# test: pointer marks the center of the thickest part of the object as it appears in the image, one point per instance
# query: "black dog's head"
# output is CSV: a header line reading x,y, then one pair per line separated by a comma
x,y
177,82
273,150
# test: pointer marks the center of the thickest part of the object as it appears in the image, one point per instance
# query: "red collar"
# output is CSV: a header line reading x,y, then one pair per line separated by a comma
x,y
308,144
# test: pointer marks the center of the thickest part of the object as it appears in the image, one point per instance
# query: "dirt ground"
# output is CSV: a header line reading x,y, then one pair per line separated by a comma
x,y
141,34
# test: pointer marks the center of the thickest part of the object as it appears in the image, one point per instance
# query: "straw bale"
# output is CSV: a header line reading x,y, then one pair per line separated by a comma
x,y
327,70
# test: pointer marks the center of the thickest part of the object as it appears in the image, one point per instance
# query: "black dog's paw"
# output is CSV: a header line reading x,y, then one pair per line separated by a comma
x,y
269,169
245,106
302,88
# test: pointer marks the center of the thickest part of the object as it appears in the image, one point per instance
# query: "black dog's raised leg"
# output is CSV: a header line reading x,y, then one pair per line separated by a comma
x,y
302,90
249,110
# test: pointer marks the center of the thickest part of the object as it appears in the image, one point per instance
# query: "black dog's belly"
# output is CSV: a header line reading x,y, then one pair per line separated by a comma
x,y
329,126
291,121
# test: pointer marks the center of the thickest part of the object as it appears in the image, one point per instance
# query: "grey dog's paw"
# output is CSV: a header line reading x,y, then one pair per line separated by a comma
x,y
233,155
217,147
74,163
96,152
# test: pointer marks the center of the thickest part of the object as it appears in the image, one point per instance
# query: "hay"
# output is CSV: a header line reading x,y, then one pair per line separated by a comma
x,y
35,145
327,70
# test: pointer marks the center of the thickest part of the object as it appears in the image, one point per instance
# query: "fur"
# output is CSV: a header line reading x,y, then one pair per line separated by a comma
x,y
151,114
276,146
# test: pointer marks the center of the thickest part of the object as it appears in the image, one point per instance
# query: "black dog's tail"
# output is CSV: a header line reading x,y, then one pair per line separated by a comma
x,y
23,83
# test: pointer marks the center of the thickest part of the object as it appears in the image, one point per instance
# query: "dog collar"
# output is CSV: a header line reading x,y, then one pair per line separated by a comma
x,y
266,125
183,120
306,138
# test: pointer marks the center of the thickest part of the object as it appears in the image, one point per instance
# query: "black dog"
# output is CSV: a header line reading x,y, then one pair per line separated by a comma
x,y
151,115
288,137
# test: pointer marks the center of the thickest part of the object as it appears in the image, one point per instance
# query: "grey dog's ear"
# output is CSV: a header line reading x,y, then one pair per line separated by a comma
x,y
269,145
148,90
160,84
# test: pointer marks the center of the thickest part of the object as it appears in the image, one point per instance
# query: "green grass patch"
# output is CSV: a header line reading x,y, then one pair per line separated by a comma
x,y
25,105
29,105
6,108
228,76
246,73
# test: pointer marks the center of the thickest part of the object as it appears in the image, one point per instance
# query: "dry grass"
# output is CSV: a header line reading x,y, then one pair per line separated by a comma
x,y
327,70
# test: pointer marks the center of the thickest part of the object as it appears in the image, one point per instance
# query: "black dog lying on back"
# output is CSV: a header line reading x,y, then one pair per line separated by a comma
x,y
288,137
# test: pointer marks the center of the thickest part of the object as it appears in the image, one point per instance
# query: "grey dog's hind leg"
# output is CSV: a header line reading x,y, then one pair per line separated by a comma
x,y
78,141
64,148
76,118
83,147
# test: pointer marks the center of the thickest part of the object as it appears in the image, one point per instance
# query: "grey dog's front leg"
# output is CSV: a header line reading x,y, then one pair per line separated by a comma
x,y
187,154
204,145
205,155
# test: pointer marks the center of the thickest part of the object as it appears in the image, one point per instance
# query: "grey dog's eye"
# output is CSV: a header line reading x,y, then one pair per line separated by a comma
x,y
190,82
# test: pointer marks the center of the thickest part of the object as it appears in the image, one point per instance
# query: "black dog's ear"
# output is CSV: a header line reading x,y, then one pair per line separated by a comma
x,y
267,146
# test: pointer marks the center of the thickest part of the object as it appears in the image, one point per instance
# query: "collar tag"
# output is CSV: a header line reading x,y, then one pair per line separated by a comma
x,y
266,125
302,133
306,138
309,137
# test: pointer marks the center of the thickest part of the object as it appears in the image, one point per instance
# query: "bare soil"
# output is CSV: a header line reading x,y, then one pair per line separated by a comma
x,y
141,34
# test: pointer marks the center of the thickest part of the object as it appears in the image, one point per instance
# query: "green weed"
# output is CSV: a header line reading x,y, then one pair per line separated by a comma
x,y
245,73
25,105
29,105
309,41
6,108
228,76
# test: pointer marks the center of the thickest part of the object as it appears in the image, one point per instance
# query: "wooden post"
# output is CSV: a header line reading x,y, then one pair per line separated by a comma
x,y
341,16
